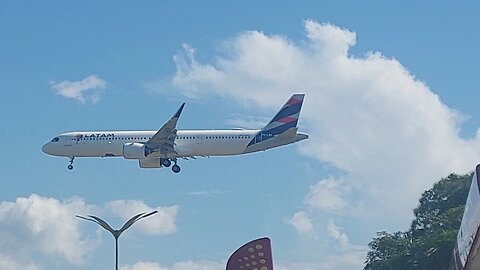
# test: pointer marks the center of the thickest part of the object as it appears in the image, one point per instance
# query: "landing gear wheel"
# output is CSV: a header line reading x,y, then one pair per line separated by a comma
x,y
166,162
70,166
176,168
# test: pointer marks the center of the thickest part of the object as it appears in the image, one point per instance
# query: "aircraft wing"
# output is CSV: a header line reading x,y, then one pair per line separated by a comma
x,y
164,140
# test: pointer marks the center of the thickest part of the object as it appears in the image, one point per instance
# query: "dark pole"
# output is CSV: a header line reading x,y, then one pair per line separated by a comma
x,y
116,233
116,253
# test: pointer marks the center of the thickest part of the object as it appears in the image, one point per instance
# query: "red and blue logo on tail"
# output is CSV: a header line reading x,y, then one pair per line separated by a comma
x,y
285,119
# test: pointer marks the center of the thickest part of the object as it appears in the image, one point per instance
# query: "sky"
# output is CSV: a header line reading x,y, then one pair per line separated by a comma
x,y
390,108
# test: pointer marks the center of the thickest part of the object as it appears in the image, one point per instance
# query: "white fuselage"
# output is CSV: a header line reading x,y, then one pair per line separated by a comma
x,y
154,149
187,142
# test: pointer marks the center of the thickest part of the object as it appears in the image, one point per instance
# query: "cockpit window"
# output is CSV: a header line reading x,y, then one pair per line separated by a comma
x,y
55,139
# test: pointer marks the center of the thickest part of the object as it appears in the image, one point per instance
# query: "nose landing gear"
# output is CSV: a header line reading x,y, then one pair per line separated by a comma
x,y
70,165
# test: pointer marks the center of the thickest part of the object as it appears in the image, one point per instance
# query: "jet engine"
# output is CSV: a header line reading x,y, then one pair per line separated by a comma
x,y
135,151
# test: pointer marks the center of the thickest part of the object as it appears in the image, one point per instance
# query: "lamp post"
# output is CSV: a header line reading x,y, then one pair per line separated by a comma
x,y
116,233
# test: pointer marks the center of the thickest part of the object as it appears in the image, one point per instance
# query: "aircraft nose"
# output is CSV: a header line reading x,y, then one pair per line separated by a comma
x,y
46,148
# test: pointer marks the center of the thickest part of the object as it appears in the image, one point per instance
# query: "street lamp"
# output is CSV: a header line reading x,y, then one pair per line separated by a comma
x,y
116,233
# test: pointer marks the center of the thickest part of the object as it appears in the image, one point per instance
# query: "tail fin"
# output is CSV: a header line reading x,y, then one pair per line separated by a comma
x,y
287,117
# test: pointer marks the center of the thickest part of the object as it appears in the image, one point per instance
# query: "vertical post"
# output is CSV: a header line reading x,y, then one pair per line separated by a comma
x,y
116,253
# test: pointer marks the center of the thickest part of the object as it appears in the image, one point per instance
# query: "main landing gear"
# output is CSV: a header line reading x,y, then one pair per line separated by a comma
x,y
70,165
166,162
175,168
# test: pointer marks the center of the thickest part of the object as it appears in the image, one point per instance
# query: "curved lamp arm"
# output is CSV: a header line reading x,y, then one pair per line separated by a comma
x,y
117,233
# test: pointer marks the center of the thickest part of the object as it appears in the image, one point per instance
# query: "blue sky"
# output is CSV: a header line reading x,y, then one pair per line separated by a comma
x,y
390,106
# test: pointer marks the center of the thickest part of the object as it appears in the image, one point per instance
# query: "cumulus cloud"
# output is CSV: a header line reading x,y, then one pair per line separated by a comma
x,y
387,132
352,254
7,262
188,265
327,195
210,265
302,223
327,263
41,225
38,227
338,234
161,223
348,255
86,90
248,121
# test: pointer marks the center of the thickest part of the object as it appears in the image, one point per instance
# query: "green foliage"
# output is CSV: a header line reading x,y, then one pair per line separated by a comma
x,y
430,241
388,250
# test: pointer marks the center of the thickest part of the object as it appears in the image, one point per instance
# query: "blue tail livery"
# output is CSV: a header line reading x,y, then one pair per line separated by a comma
x,y
283,126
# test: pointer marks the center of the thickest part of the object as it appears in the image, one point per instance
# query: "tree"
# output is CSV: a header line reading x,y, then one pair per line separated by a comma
x,y
388,250
429,242
447,194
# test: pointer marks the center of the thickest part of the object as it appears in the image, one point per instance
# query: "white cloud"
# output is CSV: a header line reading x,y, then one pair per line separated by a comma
x,y
41,225
337,233
188,265
248,121
350,254
36,228
302,223
161,223
86,90
346,261
389,134
207,193
326,263
327,195
7,262
342,240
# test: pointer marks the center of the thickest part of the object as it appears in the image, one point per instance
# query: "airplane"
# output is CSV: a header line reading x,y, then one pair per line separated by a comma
x,y
156,149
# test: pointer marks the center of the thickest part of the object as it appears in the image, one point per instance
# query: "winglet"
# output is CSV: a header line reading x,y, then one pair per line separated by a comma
x,y
177,114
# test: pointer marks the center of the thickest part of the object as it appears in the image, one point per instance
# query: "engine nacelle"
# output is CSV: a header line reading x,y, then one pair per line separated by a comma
x,y
134,151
